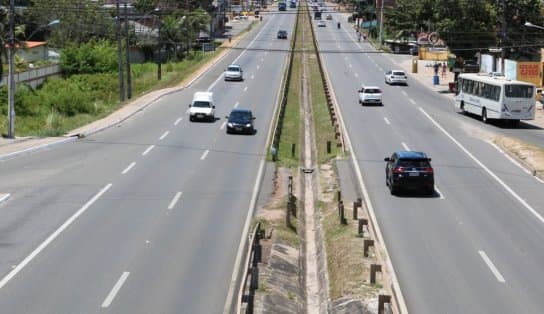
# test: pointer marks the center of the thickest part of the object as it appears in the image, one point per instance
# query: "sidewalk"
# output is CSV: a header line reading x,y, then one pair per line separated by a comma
x,y
9,148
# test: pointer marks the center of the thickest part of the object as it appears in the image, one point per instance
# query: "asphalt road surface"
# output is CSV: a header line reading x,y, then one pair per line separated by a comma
x,y
145,217
476,245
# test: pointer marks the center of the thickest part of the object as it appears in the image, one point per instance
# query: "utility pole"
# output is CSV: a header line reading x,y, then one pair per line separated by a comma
x,y
11,74
381,24
129,76
119,55
504,29
159,71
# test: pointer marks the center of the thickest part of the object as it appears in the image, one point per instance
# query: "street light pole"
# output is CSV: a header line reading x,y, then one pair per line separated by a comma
x,y
159,70
129,76
11,71
119,55
381,24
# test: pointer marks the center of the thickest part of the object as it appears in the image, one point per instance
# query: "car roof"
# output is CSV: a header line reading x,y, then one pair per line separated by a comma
x,y
409,154
234,65
370,87
240,110
395,70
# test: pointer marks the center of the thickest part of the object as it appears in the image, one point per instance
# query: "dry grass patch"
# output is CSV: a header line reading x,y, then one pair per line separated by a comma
x,y
531,155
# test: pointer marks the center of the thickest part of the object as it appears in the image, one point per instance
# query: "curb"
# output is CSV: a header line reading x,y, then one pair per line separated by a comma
x,y
69,139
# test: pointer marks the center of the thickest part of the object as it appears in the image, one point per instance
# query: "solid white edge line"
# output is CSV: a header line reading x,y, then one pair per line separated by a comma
x,y
512,160
245,88
115,289
405,146
127,169
223,125
148,150
252,76
5,197
204,154
52,237
491,266
174,200
236,104
178,121
442,197
386,120
165,134
484,167
399,297
404,93
412,101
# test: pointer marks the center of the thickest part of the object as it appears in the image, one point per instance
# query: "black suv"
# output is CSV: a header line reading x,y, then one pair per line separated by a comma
x,y
282,34
409,170
240,121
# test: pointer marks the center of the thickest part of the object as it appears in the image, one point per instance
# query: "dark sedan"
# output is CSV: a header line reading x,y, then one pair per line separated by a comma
x,y
409,170
282,34
240,121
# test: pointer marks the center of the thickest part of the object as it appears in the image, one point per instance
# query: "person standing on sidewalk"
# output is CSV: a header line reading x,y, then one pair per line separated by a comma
x,y
444,69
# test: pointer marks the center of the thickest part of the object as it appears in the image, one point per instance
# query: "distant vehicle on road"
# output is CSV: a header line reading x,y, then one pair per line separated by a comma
x,y
329,17
317,15
202,107
321,23
495,98
370,95
409,170
396,77
293,5
240,121
234,72
282,34
282,6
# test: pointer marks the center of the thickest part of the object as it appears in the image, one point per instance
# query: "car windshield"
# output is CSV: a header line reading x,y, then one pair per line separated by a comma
x,y
372,91
201,104
233,69
518,91
413,163
240,115
399,73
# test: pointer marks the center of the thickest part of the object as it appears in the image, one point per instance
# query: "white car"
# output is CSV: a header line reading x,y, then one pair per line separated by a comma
x,y
370,95
202,107
234,72
396,77
321,23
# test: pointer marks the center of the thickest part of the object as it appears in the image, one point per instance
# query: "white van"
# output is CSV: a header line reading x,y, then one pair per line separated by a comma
x,y
202,107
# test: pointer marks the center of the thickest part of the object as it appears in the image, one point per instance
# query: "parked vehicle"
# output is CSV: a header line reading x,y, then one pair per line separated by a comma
x,y
495,98
409,170
370,95
396,77
202,107
240,121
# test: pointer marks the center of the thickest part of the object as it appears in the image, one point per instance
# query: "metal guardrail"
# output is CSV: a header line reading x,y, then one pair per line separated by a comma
x,y
252,269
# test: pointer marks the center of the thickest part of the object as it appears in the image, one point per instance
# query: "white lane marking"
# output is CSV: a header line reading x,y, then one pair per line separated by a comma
x,y
178,121
223,125
236,104
356,75
204,154
245,88
350,65
491,266
386,120
258,66
174,200
510,158
52,237
538,179
148,150
4,197
164,135
380,68
491,173
404,93
405,146
412,101
127,169
442,197
252,76
115,289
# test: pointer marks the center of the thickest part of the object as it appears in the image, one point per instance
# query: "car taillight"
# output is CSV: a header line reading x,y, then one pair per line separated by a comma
x,y
429,170
398,170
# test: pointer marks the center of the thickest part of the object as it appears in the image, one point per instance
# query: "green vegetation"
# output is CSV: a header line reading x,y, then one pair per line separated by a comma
x,y
63,104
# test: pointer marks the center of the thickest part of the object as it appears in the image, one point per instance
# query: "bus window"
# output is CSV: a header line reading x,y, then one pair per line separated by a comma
x,y
519,91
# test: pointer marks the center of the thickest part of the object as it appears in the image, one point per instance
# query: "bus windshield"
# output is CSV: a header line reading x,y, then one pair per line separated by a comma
x,y
518,91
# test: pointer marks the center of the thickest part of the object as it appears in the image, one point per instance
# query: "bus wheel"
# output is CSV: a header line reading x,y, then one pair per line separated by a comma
x,y
514,123
484,116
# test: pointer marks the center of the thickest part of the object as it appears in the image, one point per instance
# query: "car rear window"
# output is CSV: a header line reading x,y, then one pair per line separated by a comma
x,y
372,91
399,73
233,69
413,163
201,104
240,115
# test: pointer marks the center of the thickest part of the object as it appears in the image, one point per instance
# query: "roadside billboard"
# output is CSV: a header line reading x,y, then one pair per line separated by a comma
x,y
531,72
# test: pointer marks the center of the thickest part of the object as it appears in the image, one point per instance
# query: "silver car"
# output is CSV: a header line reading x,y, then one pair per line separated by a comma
x,y
234,73
396,77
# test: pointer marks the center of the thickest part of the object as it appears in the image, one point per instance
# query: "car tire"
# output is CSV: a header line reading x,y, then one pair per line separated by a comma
x,y
392,190
484,116
191,118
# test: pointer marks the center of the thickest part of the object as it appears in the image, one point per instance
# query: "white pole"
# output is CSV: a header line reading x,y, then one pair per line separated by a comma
x,y
381,24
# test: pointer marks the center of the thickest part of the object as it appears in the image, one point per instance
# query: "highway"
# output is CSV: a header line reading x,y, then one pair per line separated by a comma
x,y
146,216
476,245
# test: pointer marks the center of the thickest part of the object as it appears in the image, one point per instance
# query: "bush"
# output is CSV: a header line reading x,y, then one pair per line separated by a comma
x,y
98,56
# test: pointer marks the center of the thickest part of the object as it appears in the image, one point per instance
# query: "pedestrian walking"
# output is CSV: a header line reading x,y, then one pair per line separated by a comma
x,y
444,69
436,66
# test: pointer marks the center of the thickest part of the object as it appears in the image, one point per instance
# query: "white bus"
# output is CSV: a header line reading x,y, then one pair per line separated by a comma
x,y
495,97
